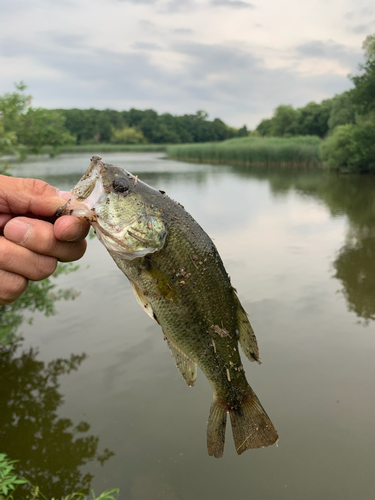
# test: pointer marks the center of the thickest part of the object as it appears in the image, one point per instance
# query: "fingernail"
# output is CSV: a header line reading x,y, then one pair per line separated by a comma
x,y
65,195
17,231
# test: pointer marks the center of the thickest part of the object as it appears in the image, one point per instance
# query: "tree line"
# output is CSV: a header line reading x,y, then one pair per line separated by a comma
x,y
144,126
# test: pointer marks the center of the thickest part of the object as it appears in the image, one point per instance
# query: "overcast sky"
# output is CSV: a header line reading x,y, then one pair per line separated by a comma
x,y
235,59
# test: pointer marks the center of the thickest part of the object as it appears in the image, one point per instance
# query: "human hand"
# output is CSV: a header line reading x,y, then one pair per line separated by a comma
x,y
31,241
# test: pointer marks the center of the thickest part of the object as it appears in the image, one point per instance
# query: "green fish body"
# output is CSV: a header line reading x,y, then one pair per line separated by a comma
x,y
179,280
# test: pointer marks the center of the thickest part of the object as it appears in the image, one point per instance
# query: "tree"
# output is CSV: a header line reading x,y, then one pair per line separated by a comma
x,y
342,110
24,128
127,135
363,95
313,119
264,127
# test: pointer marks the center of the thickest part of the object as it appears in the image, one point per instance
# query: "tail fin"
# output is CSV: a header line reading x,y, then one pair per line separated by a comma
x,y
251,426
217,422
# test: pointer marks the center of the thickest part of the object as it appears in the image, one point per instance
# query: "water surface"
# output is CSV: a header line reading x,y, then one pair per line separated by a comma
x,y
299,247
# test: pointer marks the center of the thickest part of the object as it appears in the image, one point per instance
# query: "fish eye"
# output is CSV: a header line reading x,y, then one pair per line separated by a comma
x,y
120,185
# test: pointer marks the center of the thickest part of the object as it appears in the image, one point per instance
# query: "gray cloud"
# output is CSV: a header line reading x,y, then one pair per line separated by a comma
x,y
178,6
234,4
183,31
363,29
330,50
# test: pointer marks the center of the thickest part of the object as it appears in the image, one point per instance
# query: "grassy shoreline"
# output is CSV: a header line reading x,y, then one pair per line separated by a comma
x,y
284,152
242,163
90,148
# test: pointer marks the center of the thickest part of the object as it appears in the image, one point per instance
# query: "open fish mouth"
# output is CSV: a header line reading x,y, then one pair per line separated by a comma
x,y
106,198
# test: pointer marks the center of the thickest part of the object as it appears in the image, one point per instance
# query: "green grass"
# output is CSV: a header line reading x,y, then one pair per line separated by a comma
x,y
294,151
90,148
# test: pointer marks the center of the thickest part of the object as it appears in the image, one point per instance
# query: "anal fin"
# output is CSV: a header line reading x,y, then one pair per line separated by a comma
x,y
186,366
217,422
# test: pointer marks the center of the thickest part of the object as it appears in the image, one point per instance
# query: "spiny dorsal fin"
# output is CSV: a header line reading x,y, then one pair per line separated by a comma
x,y
186,366
246,334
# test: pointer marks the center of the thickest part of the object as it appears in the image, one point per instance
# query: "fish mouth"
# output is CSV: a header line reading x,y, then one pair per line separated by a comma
x,y
86,193
128,237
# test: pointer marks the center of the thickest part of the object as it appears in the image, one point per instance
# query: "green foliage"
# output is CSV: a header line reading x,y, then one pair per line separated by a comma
x,y
312,119
343,110
283,122
23,128
96,126
127,135
293,151
363,95
9,481
351,148
41,127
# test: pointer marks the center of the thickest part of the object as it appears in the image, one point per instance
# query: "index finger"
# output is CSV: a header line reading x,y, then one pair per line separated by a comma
x,y
28,196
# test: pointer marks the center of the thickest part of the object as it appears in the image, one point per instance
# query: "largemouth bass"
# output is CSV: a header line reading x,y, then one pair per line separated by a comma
x,y
179,280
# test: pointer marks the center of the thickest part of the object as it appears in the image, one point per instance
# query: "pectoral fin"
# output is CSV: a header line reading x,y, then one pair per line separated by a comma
x,y
186,366
246,334
142,300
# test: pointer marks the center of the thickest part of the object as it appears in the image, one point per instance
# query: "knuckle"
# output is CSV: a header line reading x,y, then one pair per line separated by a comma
x,y
44,267
12,286
36,186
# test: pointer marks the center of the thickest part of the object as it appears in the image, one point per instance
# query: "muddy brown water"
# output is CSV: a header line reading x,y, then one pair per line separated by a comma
x,y
299,246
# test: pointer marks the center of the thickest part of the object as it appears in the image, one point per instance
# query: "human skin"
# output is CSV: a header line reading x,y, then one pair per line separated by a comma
x,y
32,241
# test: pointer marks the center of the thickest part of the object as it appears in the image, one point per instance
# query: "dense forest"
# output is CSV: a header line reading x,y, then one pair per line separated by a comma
x,y
137,127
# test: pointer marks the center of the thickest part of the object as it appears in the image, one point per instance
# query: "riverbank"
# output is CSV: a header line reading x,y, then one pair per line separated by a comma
x,y
294,151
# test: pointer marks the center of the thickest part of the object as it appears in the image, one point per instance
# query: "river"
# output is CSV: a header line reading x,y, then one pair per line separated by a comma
x,y
300,249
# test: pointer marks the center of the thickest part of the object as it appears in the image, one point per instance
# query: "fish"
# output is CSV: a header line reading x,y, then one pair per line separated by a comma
x,y
179,280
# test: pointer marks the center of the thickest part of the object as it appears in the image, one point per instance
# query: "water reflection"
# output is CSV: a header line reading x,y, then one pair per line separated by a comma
x,y
344,195
50,449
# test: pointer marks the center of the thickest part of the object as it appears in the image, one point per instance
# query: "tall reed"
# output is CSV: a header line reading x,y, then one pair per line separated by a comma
x,y
302,151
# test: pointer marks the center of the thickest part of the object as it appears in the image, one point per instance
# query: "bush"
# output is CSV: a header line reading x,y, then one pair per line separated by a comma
x,y
351,148
127,135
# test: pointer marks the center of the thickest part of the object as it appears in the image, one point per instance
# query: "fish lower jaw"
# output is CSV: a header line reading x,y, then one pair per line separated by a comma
x,y
120,249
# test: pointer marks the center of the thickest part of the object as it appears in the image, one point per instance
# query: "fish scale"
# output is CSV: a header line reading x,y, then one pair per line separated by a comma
x,y
179,279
